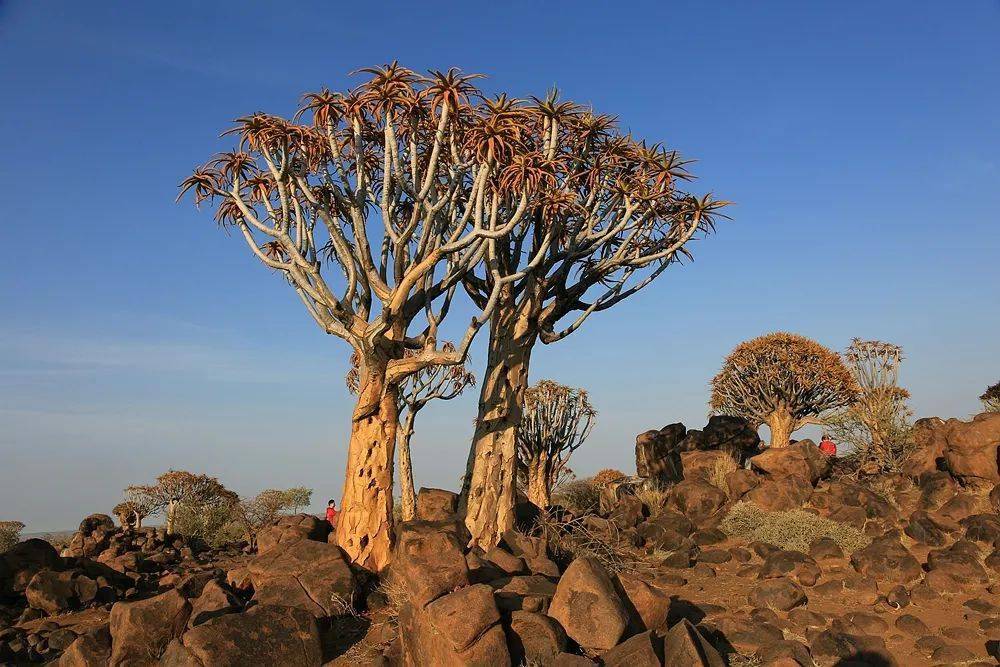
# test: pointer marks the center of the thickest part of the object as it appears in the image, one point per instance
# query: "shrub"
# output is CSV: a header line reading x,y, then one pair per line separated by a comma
x,y
10,534
721,468
569,540
607,477
654,495
991,398
792,529
582,496
783,380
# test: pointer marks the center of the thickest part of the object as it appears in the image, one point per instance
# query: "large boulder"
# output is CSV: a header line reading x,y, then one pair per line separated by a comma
x,y
310,575
55,592
90,649
698,500
141,630
684,646
588,607
656,453
782,494
264,635
24,560
534,638
436,504
430,559
732,435
460,628
290,529
967,449
886,559
800,459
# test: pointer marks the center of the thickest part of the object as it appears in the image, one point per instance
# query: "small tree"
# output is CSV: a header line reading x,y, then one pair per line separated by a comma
x,y
783,380
876,425
258,512
297,498
142,501
10,534
177,487
991,398
428,384
557,419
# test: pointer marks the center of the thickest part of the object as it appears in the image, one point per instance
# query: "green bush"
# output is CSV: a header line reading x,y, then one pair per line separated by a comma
x,y
793,529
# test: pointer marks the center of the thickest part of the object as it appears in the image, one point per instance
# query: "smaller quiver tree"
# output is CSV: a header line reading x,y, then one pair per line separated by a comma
x,y
10,534
177,487
430,383
253,514
991,398
783,380
557,419
141,500
876,425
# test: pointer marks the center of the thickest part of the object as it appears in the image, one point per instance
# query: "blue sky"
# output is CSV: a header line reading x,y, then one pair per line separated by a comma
x,y
860,142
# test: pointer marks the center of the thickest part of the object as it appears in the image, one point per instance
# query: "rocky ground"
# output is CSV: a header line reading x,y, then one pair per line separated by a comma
x,y
696,561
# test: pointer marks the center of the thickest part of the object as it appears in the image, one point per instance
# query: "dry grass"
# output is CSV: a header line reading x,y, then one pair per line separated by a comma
x,y
582,496
717,475
654,495
569,540
794,529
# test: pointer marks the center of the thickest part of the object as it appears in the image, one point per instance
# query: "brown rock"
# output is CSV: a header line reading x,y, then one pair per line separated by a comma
x,y
141,630
423,643
534,638
214,601
464,615
656,453
740,482
91,649
290,529
886,559
524,593
642,650
825,548
778,495
785,653
264,635
587,606
794,564
310,575
684,646
781,593
24,560
698,500
912,625
431,560
436,504
648,604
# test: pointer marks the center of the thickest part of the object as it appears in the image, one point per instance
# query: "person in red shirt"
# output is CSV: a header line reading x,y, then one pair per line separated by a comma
x,y
332,513
828,446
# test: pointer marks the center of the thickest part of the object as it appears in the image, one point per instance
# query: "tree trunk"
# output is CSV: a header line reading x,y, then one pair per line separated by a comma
x,y
539,481
781,424
408,498
364,527
489,487
171,513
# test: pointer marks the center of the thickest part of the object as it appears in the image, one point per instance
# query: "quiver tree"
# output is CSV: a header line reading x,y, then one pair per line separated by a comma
x,y
10,534
179,487
783,380
436,382
374,211
607,215
876,425
557,419
991,398
141,501
296,498
258,512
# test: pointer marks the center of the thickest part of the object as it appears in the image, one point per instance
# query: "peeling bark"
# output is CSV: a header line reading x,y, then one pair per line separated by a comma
x,y
408,497
539,478
781,424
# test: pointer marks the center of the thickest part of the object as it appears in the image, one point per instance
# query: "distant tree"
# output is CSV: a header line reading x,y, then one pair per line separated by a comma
x,y
10,534
876,425
991,398
417,390
557,419
297,498
374,213
608,214
253,514
142,501
179,487
783,380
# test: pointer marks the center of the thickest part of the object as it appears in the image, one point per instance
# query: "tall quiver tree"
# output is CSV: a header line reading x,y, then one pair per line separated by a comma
x,y
991,398
607,217
373,213
783,380
557,419
417,390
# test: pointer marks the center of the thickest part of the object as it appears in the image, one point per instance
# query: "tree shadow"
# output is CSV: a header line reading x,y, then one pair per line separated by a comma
x,y
865,659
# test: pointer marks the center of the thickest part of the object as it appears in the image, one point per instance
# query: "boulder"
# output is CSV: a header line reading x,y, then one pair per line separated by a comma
x,y
264,635
629,512
740,482
928,449
55,592
90,649
430,559
646,603
642,650
706,465
684,646
801,459
982,528
213,602
698,500
967,449
524,593
96,522
461,628
141,630
290,529
24,560
779,495
313,576
732,435
588,607
781,594
886,559
656,453
795,564
436,504
922,528
534,638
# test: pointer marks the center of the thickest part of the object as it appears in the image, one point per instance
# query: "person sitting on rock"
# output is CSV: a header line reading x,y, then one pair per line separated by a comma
x,y
331,513
828,446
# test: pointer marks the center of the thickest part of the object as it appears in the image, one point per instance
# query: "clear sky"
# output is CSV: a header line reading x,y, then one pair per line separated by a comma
x,y
860,142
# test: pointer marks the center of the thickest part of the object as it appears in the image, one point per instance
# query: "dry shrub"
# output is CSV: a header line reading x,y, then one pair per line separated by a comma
x,y
607,477
792,529
10,534
720,469
582,496
569,540
654,495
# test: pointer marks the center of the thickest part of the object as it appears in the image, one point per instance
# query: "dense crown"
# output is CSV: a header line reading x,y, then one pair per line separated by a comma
x,y
782,371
